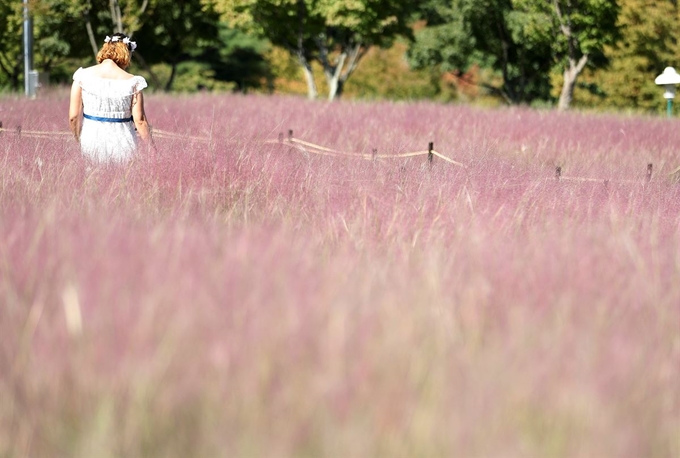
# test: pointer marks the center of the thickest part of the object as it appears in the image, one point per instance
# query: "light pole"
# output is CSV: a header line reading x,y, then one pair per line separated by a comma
x,y
29,83
668,79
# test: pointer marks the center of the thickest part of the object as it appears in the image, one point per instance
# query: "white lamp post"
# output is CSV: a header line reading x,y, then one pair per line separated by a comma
x,y
668,79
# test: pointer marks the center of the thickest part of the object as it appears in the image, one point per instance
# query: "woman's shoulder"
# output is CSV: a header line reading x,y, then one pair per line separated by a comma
x,y
139,82
117,75
84,73
79,74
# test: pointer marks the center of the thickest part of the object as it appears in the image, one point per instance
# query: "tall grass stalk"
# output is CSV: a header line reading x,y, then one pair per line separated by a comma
x,y
232,297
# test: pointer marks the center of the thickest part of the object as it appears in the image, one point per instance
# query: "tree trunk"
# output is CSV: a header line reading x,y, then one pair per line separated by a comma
x,y
14,78
171,80
300,52
340,89
90,33
333,76
571,74
332,86
116,16
335,87
338,73
312,92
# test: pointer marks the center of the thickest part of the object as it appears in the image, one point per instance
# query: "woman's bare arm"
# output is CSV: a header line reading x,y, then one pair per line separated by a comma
x,y
75,110
139,117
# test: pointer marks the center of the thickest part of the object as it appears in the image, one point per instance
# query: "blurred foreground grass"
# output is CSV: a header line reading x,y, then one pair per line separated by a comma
x,y
242,299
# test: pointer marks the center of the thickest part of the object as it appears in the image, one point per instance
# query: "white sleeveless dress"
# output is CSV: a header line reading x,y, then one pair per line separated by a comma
x,y
108,133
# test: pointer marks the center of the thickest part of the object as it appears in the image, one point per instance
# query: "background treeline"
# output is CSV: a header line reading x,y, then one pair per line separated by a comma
x,y
600,54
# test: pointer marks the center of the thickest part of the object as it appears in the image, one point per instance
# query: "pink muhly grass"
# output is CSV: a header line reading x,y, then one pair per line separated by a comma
x,y
235,297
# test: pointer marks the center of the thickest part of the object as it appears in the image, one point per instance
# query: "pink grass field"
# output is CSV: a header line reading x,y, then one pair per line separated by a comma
x,y
233,297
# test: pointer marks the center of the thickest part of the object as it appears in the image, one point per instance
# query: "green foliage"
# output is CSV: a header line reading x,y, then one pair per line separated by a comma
x,y
581,31
385,74
462,34
55,37
11,59
591,23
58,33
179,32
313,30
646,46
168,32
192,76
519,40
470,50
239,58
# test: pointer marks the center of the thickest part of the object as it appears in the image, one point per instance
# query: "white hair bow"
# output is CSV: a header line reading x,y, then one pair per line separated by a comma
x,y
126,40
131,44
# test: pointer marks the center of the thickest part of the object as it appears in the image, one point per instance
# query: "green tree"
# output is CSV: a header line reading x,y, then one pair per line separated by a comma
x,y
521,40
55,36
385,74
239,58
647,44
578,32
169,31
11,57
335,33
490,34
175,31
58,32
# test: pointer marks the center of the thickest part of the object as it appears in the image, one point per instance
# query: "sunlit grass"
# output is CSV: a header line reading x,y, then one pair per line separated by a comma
x,y
232,297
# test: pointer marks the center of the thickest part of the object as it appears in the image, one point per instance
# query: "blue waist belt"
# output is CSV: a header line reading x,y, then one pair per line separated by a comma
x,y
97,118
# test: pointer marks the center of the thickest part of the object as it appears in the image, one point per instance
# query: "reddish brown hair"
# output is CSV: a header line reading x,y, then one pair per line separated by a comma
x,y
117,51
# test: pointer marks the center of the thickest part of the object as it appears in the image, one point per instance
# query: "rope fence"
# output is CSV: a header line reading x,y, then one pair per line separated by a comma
x,y
606,181
296,143
33,133
173,135
312,148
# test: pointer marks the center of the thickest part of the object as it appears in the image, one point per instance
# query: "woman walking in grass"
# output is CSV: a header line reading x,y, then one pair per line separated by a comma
x,y
107,104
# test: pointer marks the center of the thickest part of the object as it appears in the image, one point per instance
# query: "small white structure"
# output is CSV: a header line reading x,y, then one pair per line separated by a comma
x,y
33,84
668,79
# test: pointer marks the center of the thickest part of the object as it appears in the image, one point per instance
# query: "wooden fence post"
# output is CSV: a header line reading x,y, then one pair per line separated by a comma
x,y
558,172
649,171
290,134
430,156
